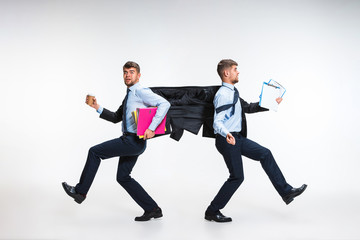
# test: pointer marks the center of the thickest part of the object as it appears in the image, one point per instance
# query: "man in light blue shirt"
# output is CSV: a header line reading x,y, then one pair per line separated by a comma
x,y
225,120
232,142
128,147
141,97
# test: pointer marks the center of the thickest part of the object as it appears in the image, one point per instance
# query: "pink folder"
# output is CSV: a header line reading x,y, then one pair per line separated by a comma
x,y
145,116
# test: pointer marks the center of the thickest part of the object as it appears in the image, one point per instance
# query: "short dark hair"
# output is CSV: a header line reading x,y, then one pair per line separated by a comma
x,y
225,64
130,64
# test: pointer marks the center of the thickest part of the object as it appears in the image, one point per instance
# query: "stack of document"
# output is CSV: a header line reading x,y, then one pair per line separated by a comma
x,y
269,93
143,118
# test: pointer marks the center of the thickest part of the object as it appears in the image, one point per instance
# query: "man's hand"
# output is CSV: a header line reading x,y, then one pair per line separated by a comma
x,y
148,134
93,103
230,139
278,100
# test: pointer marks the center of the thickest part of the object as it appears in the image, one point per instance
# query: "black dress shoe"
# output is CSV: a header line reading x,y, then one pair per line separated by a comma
x,y
70,190
294,193
156,213
217,217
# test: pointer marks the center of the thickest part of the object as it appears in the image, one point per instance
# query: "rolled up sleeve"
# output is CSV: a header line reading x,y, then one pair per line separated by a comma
x,y
153,100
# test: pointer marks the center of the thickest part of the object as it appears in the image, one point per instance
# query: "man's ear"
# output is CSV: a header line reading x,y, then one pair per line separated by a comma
x,y
226,72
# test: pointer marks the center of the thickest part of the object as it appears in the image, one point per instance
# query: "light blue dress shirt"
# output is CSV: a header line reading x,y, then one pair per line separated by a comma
x,y
223,123
142,97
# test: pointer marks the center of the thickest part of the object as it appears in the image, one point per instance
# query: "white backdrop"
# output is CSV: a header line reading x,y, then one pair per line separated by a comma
x,y
52,53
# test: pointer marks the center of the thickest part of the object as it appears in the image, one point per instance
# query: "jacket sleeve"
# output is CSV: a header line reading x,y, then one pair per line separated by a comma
x,y
113,117
251,107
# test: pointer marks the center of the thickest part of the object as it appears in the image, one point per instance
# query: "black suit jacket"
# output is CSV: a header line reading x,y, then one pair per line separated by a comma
x,y
191,108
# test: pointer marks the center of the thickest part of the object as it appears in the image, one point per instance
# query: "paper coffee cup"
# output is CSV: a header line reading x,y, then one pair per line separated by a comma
x,y
90,99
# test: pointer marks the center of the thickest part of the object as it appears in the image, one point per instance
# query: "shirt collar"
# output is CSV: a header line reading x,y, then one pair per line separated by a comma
x,y
228,85
135,87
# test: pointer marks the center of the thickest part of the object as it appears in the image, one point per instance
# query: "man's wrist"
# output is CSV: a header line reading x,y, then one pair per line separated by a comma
x,y
100,109
153,126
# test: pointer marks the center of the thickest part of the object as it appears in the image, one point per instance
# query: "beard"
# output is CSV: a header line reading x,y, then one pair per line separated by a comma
x,y
131,82
236,80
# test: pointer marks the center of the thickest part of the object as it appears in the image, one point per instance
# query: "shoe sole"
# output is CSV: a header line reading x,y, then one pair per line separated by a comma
x,y
139,219
147,219
210,219
289,201
79,201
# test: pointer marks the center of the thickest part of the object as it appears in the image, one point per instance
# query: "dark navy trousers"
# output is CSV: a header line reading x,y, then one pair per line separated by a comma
x,y
232,156
128,148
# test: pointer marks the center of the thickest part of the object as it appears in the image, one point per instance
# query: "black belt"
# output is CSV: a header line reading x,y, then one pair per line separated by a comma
x,y
129,134
235,133
232,133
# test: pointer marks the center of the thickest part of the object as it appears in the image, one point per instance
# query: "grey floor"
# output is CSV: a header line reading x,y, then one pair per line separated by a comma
x,y
36,213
